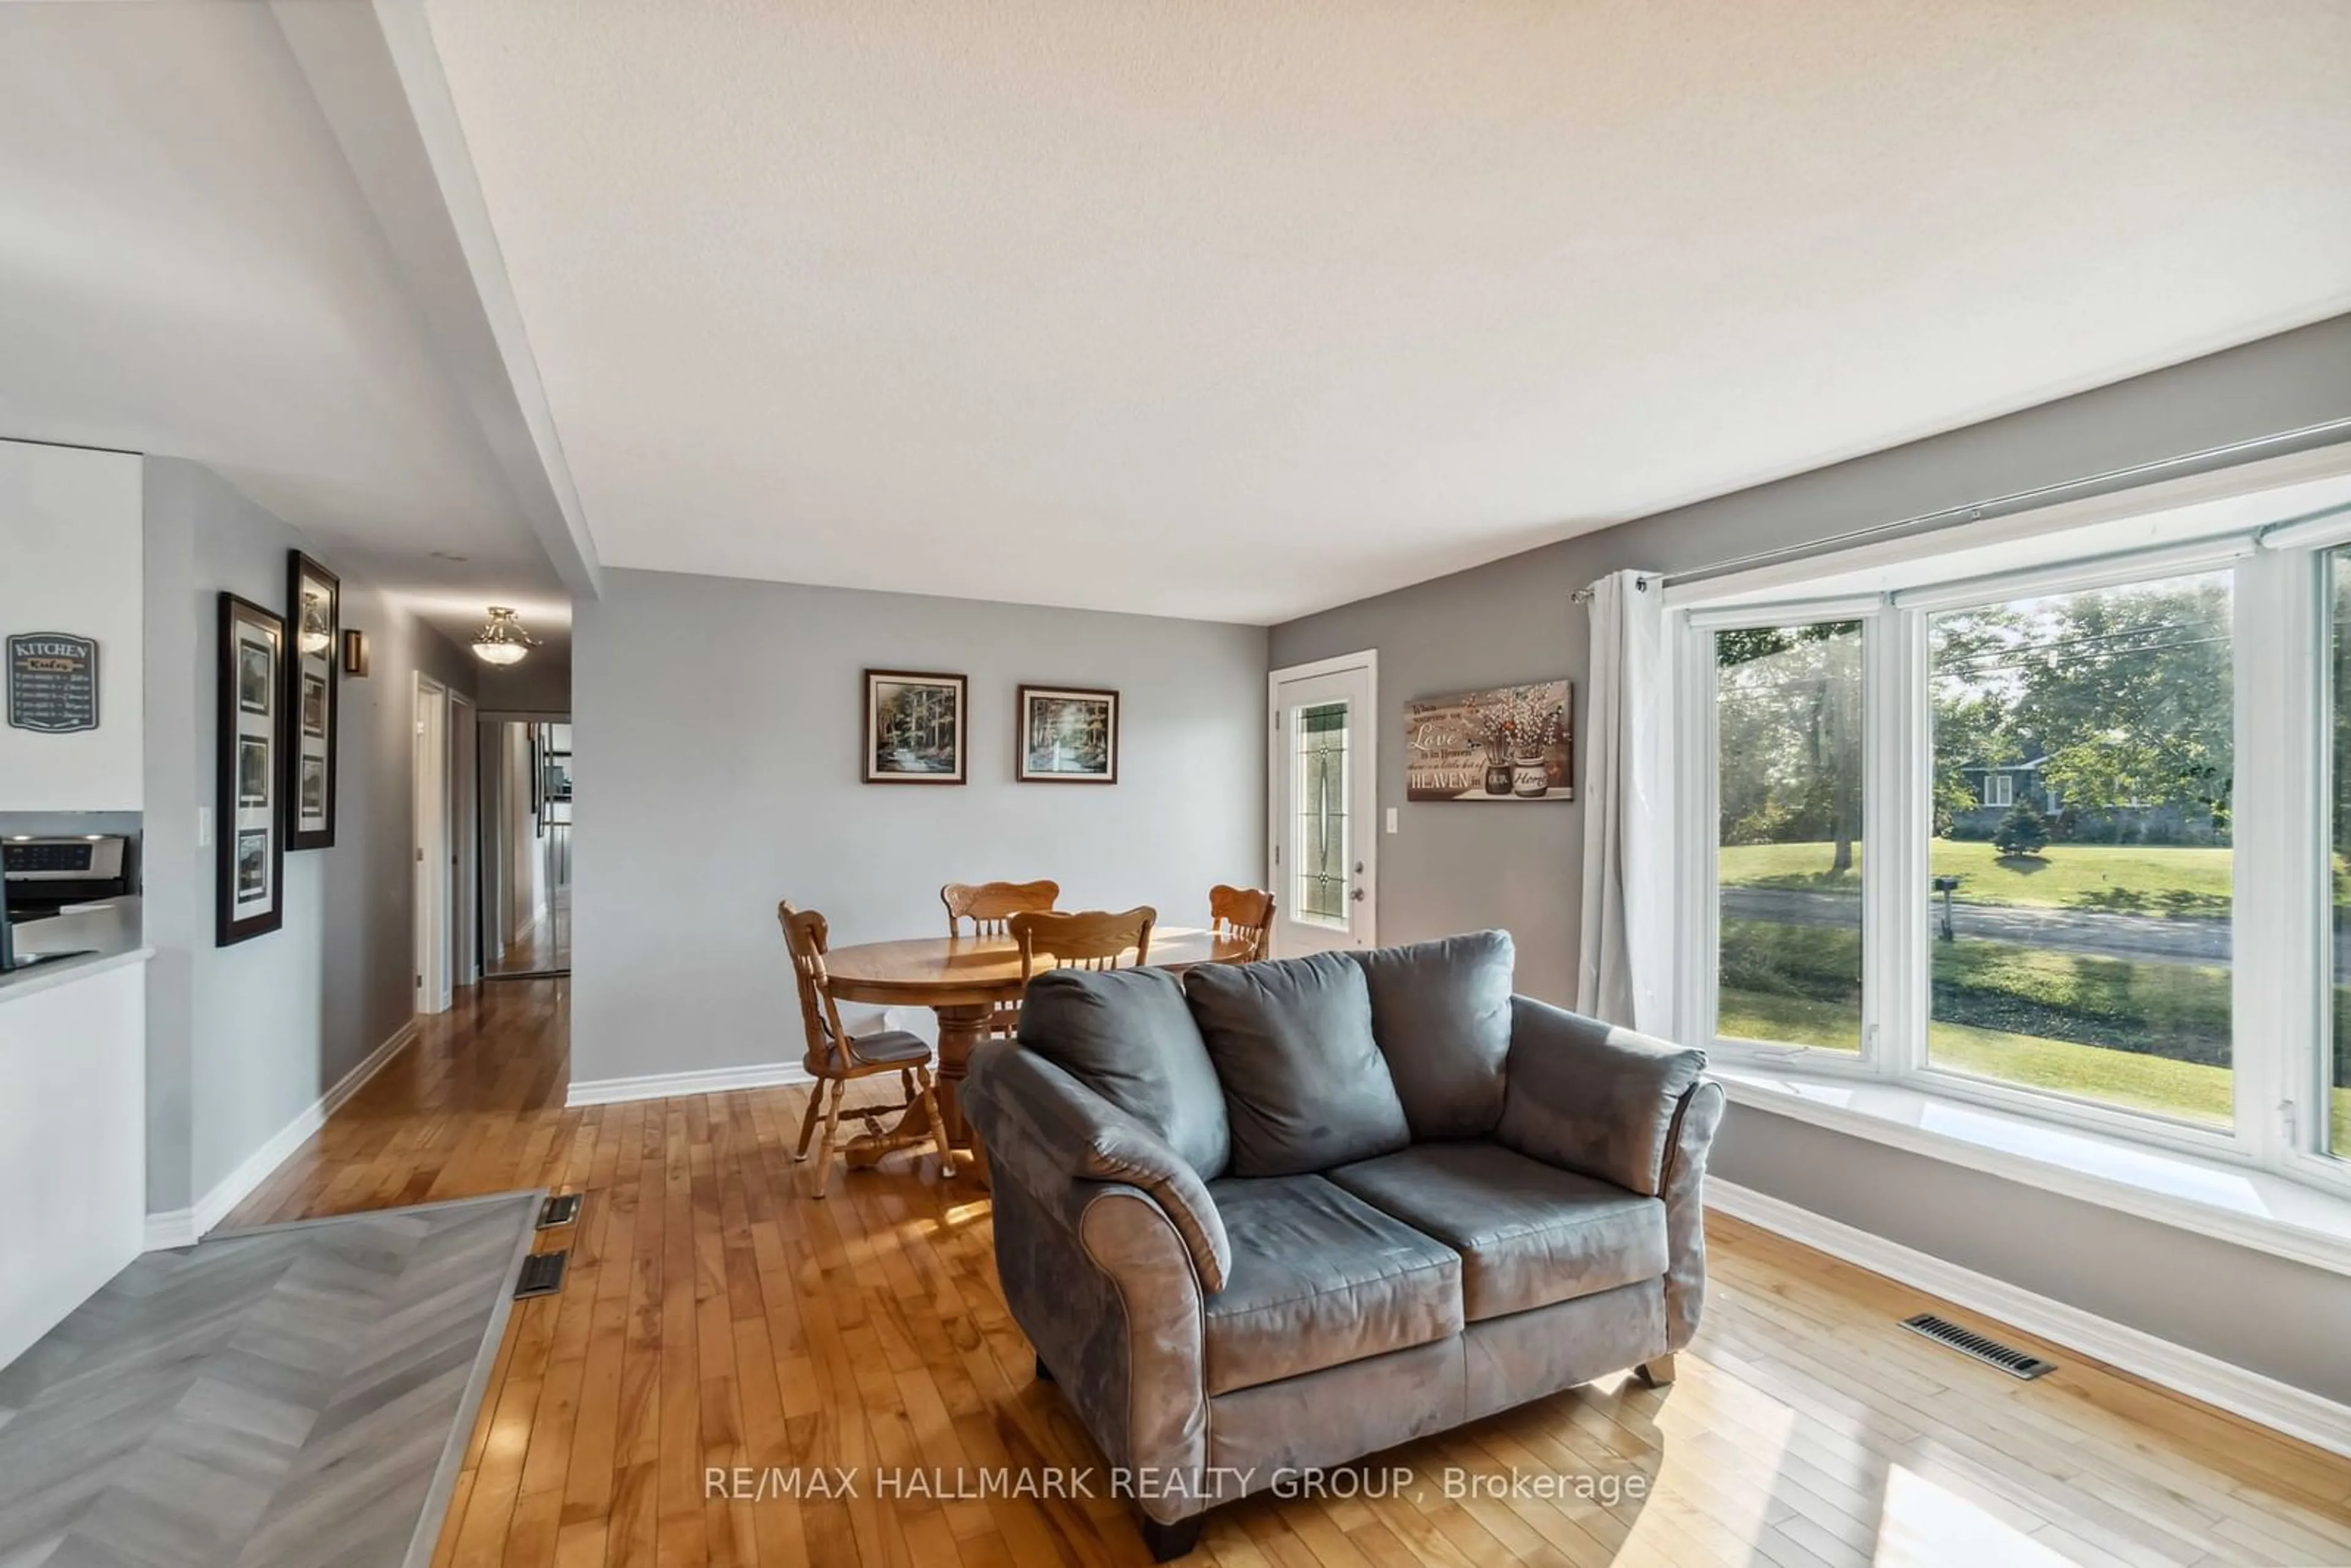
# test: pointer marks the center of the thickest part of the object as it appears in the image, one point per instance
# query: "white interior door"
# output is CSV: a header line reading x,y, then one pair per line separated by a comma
x,y
430,795
1324,799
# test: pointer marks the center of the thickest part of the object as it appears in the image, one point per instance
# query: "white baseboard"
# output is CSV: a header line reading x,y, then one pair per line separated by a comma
x,y
669,1086
186,1226
2297,1412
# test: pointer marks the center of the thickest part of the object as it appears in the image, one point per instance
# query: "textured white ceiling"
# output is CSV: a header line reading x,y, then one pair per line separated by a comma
x,y
187,267
1239,308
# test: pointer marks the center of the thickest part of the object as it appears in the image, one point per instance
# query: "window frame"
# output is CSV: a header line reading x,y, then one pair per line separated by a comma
x,y
1701,828
1303,910
2293,611
2282,970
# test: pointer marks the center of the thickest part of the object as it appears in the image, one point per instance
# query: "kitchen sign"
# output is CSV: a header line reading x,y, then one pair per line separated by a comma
x,y
52,682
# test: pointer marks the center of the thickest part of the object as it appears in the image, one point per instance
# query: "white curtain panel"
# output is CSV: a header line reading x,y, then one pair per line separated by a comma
x,y
1625,973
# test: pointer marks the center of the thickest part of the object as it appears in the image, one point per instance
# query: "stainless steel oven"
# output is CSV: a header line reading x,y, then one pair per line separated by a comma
x,y
49,873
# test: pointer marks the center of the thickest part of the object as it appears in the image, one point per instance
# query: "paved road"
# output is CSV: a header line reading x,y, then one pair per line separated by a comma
x,y
2187,940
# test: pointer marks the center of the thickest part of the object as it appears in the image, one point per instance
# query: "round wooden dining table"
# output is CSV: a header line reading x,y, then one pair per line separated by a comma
x,y
961,979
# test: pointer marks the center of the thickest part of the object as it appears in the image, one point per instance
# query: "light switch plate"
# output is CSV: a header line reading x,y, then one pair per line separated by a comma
x,y
1391,818
204,827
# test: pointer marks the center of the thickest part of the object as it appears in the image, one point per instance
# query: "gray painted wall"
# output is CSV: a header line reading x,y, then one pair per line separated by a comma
x,y
716,749
1451,868
242,1039
541,684
2270,1314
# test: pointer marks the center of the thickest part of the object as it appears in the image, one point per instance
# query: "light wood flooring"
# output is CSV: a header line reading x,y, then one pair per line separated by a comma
x,y
545,946
716,1317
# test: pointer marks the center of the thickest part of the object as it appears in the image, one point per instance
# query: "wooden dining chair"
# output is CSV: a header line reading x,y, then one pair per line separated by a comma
x,y
836,1058
1093,940
986,906
1244,914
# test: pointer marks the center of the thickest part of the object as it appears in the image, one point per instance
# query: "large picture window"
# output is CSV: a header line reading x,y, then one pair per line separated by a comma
x,y
2080,927
2107,876
1788,771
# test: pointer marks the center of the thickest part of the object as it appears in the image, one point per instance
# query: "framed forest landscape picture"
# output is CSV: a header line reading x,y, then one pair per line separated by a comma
x,y
1069,735
251,803
313,701
915,728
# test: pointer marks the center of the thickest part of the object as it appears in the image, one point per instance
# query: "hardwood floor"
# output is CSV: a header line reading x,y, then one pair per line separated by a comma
x,y
545,946
716,1317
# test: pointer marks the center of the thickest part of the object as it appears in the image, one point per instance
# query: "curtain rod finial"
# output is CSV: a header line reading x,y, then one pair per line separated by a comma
x,y
1641,581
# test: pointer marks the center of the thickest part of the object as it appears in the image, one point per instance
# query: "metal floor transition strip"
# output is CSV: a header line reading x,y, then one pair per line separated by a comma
x,y
1968,1342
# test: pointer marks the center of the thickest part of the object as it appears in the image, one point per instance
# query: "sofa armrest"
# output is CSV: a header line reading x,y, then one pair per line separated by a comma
x,y
1588,1097
1047,1127
1684,1190
1098,1275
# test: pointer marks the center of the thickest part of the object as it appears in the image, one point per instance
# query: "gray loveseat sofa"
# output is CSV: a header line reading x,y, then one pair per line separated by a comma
x,y
1275,1216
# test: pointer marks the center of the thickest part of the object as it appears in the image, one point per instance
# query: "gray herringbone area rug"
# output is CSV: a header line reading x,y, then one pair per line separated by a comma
x,y
300,1394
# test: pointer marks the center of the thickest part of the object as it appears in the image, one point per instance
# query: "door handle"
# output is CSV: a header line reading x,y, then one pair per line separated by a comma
x,y
1357,895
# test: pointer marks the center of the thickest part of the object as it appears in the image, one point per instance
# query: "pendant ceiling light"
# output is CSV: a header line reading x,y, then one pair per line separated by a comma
x,y
502,641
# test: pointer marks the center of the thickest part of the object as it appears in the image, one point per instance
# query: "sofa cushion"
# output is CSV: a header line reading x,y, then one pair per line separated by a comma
x,y
1127,1035
1305,1087
1441,1014
1528,1234
1318,1278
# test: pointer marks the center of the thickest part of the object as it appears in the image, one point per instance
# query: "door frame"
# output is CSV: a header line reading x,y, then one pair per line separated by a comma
x,y
429,805
1368,660
465,846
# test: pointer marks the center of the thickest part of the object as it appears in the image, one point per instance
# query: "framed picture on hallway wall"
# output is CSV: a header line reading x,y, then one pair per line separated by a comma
x,y
313,701
1069,735
251,806
915,728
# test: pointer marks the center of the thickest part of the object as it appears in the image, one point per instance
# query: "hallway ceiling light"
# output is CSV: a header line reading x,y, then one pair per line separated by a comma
x,y
502,641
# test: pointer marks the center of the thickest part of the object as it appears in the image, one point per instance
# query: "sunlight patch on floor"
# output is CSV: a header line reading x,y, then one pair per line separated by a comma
x,y
1922,1525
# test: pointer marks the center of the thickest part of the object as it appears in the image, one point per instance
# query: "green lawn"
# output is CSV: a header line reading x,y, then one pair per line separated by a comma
x,y
2175,1010
2183,1089
2136,879
2033,1017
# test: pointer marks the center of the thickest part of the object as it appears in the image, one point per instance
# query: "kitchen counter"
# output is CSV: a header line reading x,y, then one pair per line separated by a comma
x,y
73,1119
111,932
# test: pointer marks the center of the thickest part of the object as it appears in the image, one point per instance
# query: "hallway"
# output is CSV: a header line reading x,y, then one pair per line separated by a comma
x,y
715,1317
545,946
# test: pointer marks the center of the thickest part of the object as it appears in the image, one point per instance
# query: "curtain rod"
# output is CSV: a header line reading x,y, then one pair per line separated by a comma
x,y
2306,436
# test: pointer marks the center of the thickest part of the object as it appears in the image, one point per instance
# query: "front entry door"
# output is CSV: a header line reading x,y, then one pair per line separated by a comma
x,y
1324,782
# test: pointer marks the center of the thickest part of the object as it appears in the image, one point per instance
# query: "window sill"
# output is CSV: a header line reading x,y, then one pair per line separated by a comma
x,y
2257,1210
